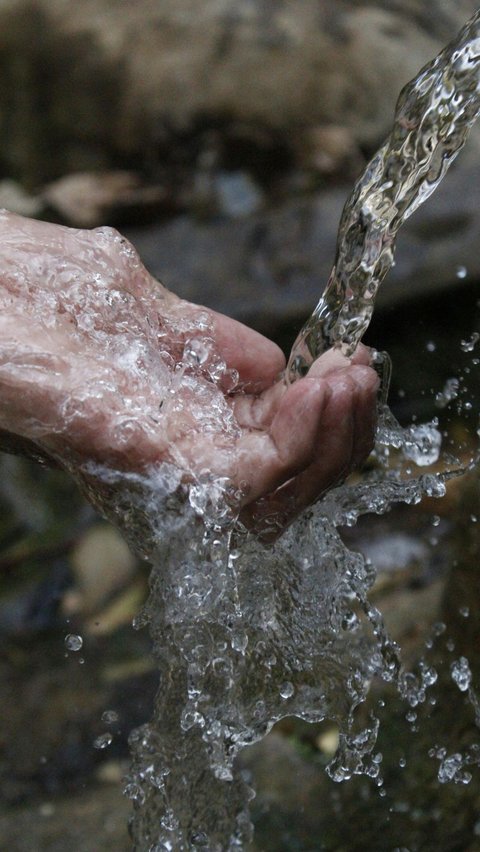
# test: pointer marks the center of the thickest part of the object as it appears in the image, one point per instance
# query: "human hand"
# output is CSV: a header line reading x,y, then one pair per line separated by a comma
x,y
99,362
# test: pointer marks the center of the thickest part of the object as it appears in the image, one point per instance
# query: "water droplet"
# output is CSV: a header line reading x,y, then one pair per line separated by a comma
x,y
169,821
429,675
430,346
103,741
421,444
464,611
350,621
46,810
196,351
461,272
239,642
469,345
190,718
449,393
450,769
109,717
286,690
73,642
199,838
134,791
461,673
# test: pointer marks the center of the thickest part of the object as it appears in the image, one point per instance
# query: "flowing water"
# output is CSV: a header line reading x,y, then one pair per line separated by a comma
x,y
245,634
433,116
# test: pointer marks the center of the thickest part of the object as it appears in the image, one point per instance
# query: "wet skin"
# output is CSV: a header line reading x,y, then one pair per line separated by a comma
x,y
77,306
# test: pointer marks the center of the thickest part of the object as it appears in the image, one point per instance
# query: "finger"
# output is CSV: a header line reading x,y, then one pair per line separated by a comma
x,y
257,412
333,360
258,360
333,445
345,437
267,459
362,355
365,412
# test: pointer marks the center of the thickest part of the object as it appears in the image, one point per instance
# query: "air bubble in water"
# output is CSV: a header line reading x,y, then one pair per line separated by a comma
x,y
73,642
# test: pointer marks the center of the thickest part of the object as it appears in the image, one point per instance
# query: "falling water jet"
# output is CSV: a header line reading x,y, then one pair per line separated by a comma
x,y
245,634
433,117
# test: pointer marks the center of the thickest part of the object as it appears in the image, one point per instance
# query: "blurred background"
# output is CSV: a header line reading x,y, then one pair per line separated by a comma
x,y
223,137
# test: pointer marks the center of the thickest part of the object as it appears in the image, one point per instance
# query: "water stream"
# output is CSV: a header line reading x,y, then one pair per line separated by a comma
x,y
433,117
243,633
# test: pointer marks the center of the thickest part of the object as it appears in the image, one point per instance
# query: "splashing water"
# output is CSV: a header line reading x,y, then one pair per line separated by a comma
x,y
246,634
243,636
434,114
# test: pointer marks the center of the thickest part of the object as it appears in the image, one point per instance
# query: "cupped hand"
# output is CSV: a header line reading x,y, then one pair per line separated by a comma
x,y
99,362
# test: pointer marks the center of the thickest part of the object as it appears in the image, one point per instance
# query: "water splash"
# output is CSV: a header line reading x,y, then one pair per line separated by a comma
x,y
433,117
245,634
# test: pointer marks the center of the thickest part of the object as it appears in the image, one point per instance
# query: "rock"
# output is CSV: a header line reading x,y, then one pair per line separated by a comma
x,y
330,150
120,612
96,818
461,603
14,198
102,564
238,195
88,199
98,87
278,261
